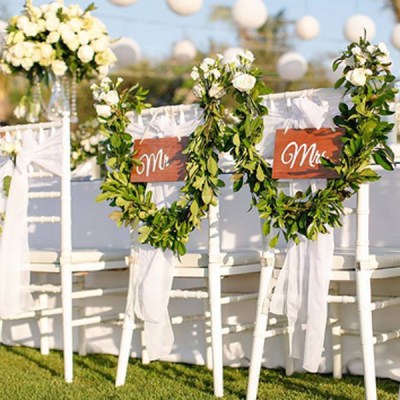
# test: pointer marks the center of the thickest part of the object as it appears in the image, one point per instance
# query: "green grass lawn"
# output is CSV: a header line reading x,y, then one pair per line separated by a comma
x,y
27,375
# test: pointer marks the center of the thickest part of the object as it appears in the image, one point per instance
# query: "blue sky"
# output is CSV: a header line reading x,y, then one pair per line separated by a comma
x,y
155,28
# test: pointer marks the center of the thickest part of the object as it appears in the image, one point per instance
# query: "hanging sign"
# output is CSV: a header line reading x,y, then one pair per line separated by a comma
x,y
161,160
298,153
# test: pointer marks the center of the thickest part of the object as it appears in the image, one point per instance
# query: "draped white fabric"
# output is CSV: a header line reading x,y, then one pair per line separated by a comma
x,y
302,288
14,248
151,279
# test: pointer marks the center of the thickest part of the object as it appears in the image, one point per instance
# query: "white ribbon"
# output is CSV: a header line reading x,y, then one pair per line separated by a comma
x,y
302,288
152,275
15,296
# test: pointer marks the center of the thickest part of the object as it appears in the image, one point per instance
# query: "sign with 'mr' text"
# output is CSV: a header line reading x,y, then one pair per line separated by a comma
x,y
161,160
298,153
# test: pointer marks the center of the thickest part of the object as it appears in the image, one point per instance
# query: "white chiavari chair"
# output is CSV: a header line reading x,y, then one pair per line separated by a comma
x,y
209,267
58,275
361,266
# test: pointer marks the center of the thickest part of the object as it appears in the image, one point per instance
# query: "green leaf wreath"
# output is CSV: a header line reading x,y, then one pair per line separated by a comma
x,y
237,130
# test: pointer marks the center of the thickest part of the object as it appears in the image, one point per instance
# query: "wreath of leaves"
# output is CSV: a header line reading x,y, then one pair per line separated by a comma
x,y
169,228
237,131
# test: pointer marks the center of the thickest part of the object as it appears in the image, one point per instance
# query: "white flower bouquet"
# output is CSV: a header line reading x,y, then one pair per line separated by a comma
x,y
59,39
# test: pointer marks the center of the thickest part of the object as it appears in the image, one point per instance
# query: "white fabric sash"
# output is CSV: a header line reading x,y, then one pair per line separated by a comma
x,y
15,296
152,275
302,288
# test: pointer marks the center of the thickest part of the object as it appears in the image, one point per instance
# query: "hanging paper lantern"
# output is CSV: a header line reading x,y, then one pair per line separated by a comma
x,y
292,66
396,36
185,7
355,26
127,52
307,27
123,2
331,75
250,14
231,53
184,51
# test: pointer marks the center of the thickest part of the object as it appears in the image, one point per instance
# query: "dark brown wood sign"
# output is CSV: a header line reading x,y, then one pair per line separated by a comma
x,y
162,160
298,152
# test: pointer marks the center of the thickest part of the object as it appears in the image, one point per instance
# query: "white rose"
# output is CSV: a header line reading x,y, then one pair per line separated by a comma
x,y
22,21
73,44
249,56
18,50
85,53
66,34
37,54
244,82
382,47
103,71
216,91
95,32
75,24
371,48
19,37
357,76
59,67
30,29
53,37
216,73
52,23
83,37
99,45
74,10
107,57
198,91
384,60
103,110
20,111
356,51
361,60
195,74
46,50
111,98
27,63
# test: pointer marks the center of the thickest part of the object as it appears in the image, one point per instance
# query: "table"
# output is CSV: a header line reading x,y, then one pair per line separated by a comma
x,y
92,227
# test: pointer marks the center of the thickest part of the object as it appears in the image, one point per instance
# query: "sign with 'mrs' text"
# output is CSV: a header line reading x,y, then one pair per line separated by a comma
x,y
298,153
161,160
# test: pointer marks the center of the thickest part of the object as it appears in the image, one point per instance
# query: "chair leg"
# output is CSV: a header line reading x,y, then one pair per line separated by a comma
x,y
207,334
216,328
44,325
145,353
80,285
66,277
259,332
124,351
336,339
1,332
289,362
366,328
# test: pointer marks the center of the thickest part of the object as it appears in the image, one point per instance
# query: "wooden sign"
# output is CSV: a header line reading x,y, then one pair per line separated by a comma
x,y
162,160
298,152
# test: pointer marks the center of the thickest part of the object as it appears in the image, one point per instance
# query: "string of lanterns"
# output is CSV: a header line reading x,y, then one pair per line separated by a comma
x,y
253,15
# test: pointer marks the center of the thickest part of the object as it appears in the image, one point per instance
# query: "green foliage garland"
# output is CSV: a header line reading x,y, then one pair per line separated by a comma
x,y
169,228
237,131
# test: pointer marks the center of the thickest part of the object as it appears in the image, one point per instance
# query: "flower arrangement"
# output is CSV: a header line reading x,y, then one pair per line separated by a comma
x,y
59,39
86,142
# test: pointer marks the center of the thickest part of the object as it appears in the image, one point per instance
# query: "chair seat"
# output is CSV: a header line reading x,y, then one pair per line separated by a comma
x,y
228,259
344,259
51,257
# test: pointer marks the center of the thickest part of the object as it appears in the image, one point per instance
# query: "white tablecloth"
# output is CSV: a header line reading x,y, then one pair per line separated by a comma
x,y
240,230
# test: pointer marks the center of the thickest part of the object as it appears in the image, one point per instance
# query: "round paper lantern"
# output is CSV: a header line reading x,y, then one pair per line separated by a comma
x,y
331,75
291,66
127,52
307,27
185,7
231,53
184,51
396,36
355,25
250,14
123,2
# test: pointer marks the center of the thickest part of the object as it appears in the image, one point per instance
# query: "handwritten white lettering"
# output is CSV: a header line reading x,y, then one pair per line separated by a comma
x,y
295,154
151,162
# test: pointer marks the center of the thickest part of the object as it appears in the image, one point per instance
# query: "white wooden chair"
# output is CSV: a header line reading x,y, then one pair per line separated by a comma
x,y
62,270
210,266
361,265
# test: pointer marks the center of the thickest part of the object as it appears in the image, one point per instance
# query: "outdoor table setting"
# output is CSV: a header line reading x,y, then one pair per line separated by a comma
x,y
245,229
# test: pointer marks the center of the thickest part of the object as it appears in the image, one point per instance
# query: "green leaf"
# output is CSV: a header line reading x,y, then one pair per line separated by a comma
x,y
260,174
207,194
212,166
